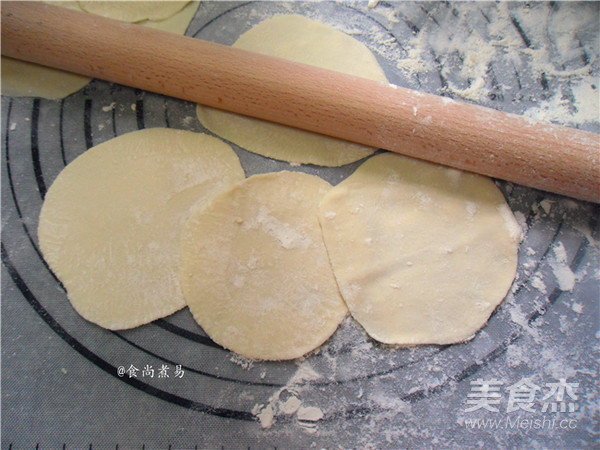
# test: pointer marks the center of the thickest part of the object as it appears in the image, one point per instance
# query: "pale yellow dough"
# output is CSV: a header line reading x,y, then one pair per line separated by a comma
x,y
111,222
178,23
23,79
255,271
301,40
133,11
422,254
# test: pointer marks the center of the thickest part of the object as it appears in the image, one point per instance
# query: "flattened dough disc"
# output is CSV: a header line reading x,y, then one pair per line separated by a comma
x,y
133,11
111,222
25,79
301,40
178,23
255,272
422,253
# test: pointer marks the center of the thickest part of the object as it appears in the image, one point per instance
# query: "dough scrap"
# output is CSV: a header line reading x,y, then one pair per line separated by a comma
x,y
111,222
422,253
301,40
255,272
25,79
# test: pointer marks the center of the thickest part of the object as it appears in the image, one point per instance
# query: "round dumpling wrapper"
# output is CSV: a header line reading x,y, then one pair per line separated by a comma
x,y
111,222
422,253
255,271
133,11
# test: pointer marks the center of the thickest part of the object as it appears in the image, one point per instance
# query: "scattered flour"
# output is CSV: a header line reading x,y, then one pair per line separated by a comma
x,y
109,108
188,120
577,307
467,41
287,401
587,232
560,253
538,283
578,106
564,276
304,373
243,362
562,272
510,223
520,318
288,236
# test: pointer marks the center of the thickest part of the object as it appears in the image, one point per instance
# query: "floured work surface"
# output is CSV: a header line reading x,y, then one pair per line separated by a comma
x,y
354,392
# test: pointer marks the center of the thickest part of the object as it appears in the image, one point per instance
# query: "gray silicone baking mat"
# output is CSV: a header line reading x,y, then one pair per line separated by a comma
x,y
528,379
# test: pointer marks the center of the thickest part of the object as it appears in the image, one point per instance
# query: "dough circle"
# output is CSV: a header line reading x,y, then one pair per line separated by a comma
x,y
25,79
110,224
301,40
422,253
255,272
133,11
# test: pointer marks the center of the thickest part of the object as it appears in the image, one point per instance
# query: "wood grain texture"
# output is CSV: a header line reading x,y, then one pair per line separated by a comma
x,y
456,134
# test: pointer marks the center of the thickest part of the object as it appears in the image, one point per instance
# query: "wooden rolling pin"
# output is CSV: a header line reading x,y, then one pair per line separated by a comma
x,y
456,134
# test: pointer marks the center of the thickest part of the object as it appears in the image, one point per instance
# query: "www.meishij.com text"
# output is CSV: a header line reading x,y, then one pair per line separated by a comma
x,y
522,423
